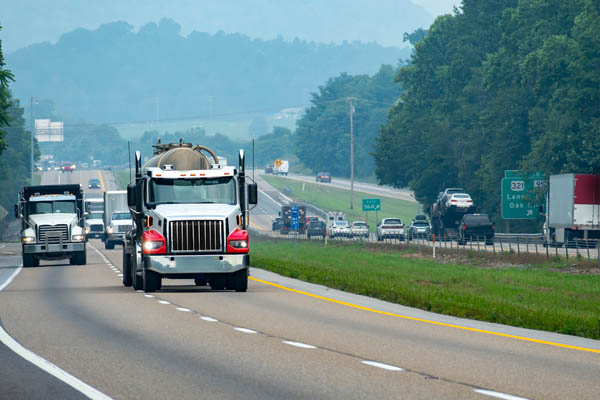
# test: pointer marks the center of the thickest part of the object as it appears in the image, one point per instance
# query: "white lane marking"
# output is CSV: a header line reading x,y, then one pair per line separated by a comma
x,y
272,199
183,309
163,302
245,330
141,291
120,275
298,344
498,395
383,366
209,319
44,364
149,296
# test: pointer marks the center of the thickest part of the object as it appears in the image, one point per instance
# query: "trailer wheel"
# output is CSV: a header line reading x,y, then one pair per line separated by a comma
x,y
127,276
240,280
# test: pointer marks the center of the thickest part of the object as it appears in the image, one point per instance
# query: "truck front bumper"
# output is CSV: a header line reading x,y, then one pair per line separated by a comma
x,y
197,264
116,237
53,249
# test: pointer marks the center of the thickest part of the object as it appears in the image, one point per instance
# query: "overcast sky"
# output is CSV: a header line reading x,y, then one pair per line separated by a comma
x,y
437,7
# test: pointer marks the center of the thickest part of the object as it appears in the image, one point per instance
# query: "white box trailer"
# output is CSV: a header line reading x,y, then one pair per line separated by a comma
x,y
573,209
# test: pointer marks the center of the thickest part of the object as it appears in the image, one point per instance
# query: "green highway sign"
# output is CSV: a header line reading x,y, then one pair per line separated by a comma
x,y
371,204
519,200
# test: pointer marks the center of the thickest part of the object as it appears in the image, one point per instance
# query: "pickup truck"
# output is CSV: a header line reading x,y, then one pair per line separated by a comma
x,y
476,227
315,228
390,228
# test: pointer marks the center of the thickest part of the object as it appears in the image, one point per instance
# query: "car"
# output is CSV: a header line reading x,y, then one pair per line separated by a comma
x,y
315,228
323,177
474,227
340,229
420,217
276,224
360,229
443,196
419,229
68,168
94,184
459,200
269,169
390,228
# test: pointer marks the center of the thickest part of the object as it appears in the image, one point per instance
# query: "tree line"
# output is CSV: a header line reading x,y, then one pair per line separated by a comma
x,y
499,85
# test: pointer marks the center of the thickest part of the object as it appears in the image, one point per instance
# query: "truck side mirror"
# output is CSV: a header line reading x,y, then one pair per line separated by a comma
x,y
131,195
252,193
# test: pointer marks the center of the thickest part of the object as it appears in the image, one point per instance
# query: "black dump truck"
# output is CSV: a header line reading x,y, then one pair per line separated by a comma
x,y
293,219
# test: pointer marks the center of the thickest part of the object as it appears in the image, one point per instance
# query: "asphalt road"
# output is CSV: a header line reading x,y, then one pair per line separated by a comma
x,y
281,339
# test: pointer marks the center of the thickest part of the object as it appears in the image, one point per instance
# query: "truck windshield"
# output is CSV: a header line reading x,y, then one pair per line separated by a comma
x,y
208,190
96,215
52,207
121,216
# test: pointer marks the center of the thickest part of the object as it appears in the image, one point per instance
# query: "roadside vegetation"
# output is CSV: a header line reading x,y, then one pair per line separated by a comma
x,y
333,199
554,296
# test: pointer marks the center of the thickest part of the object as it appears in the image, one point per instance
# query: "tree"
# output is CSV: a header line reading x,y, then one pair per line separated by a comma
x,y
5,98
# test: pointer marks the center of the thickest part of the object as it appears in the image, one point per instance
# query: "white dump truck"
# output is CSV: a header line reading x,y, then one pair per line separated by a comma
x,y
190,215
94,222
117,218
51,224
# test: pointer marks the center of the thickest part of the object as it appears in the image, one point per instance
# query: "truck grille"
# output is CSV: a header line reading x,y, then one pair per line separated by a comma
x,y
53,233
123,228
96,228
197,235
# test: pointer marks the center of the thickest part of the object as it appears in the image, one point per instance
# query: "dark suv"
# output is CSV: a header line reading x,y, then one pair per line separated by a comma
x,y
476,227
323,177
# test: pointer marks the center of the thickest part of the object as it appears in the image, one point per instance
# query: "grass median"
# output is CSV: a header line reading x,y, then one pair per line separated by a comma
x,y
330,198
537,296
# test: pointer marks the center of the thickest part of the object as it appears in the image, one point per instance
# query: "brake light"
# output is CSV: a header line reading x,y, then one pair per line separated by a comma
x,y
493,228
237,241
453,201
469,201
464,227
153,242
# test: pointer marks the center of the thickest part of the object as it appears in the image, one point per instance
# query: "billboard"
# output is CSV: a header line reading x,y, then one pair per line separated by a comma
x,y
48,131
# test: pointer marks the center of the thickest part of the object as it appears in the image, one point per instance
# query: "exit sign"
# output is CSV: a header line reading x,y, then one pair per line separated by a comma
x,y
371,204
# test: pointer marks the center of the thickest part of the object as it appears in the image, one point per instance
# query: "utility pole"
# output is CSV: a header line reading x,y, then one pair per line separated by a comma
x,y
350,100
32,123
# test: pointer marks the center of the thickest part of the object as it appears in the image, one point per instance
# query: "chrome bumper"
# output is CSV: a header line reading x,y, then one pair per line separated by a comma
x,y
196,264
53,248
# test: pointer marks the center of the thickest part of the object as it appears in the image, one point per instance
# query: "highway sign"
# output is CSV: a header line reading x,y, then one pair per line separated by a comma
x,y
295,224
371,204
519,197
278,163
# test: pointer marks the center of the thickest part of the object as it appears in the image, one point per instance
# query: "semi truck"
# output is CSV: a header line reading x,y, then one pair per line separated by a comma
x,y
117,219
191,218
293,218
52,224
446,214
573,210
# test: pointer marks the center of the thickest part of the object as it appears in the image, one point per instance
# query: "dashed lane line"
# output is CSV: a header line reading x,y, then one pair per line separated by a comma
x,y
382,366
498,395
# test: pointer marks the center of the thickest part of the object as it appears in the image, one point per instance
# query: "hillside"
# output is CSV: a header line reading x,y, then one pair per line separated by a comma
x,y
114,73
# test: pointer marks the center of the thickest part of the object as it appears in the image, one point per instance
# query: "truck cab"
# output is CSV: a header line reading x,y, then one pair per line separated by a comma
x,y
190,220
52,226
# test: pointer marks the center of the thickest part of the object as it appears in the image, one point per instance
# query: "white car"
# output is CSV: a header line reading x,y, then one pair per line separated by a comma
x,y
390,228
340,229
460,200
360,229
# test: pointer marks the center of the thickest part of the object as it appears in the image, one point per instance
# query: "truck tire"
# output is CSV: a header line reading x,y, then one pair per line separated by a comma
x,y
200,282
152,281
137,279
29,260
217,282
127,275
108,245
78,258
240,280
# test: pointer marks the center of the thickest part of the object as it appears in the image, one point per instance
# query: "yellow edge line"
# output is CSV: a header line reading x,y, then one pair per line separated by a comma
x,y
259,227
101,180
426,320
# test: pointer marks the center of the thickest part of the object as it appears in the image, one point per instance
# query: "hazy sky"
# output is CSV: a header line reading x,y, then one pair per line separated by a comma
x,y
437,7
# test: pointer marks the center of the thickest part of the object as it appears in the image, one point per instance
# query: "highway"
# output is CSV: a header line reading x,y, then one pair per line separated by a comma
x,y
282,339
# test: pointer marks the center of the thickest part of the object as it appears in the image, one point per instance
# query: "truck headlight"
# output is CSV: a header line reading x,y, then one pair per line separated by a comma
x,y
28,239
237,241
78,238
109,230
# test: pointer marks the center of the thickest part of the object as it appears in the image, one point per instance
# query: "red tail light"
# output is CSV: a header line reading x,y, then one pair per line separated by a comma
x,y
469,201
153,242
493,228
237,241
464,227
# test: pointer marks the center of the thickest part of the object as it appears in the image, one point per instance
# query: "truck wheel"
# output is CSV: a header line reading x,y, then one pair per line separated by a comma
x,y
127,276
137,279
240,280
152,281
81,258
29,260
109,245
200,282
217,283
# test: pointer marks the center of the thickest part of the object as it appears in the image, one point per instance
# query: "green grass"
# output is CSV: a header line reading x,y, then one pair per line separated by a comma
x,y
333,199
122,177
537,297
37,178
